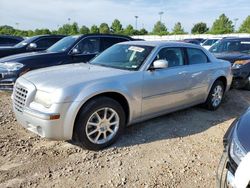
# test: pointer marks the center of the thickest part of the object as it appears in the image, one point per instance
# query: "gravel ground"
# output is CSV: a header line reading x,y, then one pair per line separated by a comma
x,y
181,149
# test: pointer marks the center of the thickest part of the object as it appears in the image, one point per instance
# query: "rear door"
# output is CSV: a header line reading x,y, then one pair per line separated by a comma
x,y
199,71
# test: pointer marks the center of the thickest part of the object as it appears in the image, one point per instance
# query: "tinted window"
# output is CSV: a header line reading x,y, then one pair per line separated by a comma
x,y
110,41
89,46
63,44
174,56
44,43
196,56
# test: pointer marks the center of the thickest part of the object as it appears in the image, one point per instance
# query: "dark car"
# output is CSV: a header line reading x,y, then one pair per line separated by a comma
x,y
237,144
192,41
8,40
71,49
237,51
32,44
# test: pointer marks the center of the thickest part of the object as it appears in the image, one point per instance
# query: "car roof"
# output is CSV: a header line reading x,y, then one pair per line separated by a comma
x,y
161,43
109,35
236,38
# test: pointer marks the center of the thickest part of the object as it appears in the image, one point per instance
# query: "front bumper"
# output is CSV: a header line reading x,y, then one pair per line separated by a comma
x,y
44,124
7,80
240,78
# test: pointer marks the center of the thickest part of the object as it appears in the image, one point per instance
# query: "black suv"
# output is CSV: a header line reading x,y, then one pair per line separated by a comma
x,y
8,40
32,44
237,144
237,51
71,49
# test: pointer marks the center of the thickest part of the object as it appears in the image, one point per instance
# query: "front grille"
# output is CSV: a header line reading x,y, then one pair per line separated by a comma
x,y
20,95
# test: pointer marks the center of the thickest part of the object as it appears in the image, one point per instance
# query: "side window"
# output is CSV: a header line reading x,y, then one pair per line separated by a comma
x,y
45,43
110,41
174,56
89,46
196,56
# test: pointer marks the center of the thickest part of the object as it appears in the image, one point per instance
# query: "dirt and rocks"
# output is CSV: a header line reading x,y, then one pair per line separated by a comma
x,y
181,149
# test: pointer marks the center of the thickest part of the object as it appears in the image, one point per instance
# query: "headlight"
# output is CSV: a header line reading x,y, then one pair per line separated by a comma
x,y
240,63
11,66
43,98
237,152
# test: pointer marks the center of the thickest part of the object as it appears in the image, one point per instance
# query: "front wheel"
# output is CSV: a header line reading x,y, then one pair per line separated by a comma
x,y
99,123
215,96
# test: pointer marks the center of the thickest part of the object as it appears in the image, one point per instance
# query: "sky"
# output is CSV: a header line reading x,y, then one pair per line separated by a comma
x,y
31,14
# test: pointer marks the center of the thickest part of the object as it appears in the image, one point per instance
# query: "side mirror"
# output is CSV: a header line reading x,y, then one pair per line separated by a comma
x,y
75,51
32,46
159,64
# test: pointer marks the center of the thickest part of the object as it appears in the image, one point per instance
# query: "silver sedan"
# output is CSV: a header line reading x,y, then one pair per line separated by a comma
x,y
128,83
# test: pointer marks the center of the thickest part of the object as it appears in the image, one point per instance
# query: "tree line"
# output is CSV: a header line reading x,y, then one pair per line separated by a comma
x,y
222,25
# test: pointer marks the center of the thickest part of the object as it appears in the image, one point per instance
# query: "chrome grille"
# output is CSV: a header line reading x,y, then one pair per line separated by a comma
x,y
20,95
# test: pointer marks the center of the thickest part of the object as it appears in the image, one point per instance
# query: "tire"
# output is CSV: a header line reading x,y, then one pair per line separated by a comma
x,y
95,130
213,102
247,86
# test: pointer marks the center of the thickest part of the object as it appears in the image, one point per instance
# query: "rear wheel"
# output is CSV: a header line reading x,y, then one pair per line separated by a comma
x,y
100,122
215,96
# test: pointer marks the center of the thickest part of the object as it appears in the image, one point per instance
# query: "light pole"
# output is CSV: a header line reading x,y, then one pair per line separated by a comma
x,y
235,22
136,18
161,13
69,20
17,24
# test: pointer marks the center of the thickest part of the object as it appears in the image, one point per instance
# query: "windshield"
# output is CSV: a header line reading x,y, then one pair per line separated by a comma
x,y
63,44
123,56
25,42
231,46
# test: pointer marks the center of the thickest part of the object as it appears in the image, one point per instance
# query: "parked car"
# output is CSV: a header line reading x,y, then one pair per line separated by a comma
x,y
192,41
209,42
71,49
8,40
236,146
32,44
237,51
127,83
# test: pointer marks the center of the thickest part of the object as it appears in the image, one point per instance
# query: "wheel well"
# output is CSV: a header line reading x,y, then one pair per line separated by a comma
x,y
224,81
115,96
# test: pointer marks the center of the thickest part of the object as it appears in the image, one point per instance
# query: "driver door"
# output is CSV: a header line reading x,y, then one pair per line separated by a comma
x,y
87,49
165,89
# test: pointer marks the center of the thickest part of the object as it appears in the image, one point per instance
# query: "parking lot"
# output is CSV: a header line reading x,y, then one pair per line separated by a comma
x,y
181,149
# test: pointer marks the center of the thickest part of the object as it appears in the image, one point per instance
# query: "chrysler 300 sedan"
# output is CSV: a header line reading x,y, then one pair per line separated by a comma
x,y
127,83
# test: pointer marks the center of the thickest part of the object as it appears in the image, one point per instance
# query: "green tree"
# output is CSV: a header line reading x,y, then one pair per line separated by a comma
x,y
41,32
116,27
143,31
129,30
94,29
222,25
160,29
178,29
245,26
74,30
199,28
65,29
84,30
104,28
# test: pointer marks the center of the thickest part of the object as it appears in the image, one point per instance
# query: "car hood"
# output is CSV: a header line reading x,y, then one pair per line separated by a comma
x,y
243,130
233,56
63,76
29,55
